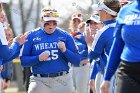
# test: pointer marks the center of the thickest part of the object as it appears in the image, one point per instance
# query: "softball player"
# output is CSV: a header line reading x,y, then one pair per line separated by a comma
x,y
80,73
104,37
48,52
125,51
7,52
95,24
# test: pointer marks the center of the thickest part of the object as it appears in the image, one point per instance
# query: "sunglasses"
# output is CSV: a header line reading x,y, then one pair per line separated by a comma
x,y
51,14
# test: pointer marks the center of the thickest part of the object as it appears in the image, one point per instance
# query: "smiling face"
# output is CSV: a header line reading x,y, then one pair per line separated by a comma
x,y
50,26
93,27
76,22
9,33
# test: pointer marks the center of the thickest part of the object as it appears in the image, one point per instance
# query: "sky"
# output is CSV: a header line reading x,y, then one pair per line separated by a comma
x,y
66,7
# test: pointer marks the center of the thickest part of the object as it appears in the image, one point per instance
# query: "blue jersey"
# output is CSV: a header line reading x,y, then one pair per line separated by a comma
x,y
103,42
126,45
39,41
82,46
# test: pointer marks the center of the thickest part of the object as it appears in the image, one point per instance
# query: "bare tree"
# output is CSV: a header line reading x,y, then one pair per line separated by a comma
x,y
24,19
7,8
37,13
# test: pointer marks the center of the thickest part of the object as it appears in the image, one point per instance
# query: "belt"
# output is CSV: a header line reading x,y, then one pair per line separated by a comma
x,y
61,73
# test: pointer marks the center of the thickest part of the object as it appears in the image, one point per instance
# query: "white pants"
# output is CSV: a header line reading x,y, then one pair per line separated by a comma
x,y
98,81
61,84
81,76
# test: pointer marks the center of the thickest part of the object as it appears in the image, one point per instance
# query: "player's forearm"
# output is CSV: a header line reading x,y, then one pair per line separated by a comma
x,y
7,52
72,57
11,58
28,61
114,58
94,71
93,56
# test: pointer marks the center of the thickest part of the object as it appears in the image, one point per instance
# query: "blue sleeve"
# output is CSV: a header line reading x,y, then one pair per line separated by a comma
x,y
11,58
97,48
71,52
115,53
84,54
7,52
82,39
94,71
93,56
27,60
8,71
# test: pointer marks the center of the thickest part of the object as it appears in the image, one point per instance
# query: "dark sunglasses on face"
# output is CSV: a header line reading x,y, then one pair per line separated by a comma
x,y
51,14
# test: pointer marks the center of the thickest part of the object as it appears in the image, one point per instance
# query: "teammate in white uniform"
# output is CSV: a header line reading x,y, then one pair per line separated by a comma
x,y
81,72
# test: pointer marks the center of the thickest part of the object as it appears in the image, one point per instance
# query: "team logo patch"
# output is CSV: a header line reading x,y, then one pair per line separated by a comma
x,y
37,39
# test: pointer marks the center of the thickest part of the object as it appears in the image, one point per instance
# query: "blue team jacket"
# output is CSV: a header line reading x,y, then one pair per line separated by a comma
x,y
126,45
101,46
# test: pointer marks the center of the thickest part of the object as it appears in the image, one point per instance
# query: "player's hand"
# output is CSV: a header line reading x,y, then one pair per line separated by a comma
x,y
61,46
21,39
92,85
88,37
6,84
1,68
2,83
10,41
105,87
44,56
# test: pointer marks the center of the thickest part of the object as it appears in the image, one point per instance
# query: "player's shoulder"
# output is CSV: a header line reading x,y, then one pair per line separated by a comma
x,y
126,8
61,31
34,32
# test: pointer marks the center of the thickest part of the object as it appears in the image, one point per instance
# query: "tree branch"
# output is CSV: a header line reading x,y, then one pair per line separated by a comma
x,y
37,13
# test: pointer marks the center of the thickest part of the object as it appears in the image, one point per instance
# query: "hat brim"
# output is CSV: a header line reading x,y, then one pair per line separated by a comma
x,y
102,6
50,19
93,19
88,21
77,18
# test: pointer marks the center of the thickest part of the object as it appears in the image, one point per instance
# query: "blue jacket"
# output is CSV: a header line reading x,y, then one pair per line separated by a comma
x,y
101,46
6,52
82,46
126,45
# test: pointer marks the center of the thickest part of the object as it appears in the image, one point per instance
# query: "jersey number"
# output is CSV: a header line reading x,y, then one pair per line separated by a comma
x,y
53,54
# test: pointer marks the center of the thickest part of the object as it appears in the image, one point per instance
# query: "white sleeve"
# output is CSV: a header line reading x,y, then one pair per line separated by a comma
x,y
2,35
